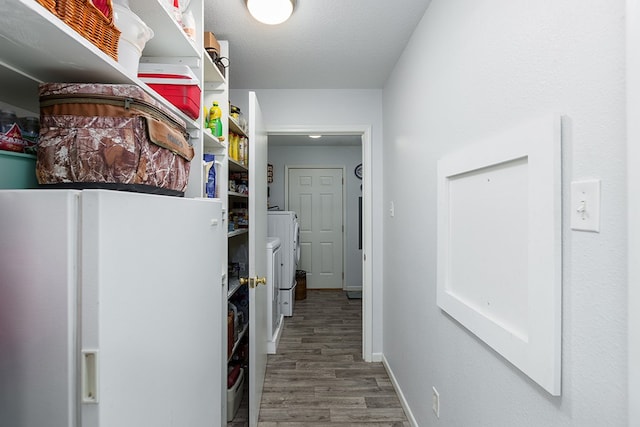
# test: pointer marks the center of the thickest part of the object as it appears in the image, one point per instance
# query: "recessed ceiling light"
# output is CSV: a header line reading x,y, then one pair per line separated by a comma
x,y
315,136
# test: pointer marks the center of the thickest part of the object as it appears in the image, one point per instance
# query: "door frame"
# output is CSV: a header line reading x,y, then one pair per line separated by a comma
x,y
367,211
633,206
344,203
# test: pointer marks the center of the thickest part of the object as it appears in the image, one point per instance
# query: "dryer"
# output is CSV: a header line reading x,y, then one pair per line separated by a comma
x,y
284,225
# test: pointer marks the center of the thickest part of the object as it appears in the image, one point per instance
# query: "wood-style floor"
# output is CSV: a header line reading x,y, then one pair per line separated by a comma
x,y
318,377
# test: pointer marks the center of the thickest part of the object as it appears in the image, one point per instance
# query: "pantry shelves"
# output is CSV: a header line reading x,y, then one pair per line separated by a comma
x,y
51,52
234,194
237,342
169,39
211,143
234,285
238,232
211,73
235,166
234,126
57,53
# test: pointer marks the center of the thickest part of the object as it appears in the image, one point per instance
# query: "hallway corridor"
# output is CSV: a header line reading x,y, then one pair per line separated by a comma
x,y
318,377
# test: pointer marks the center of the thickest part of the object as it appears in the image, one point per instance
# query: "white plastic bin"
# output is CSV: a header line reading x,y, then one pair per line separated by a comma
x,y
234,396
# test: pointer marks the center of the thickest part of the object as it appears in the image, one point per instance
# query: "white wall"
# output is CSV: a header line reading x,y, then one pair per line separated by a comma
x,y
472,68
308,108
338,156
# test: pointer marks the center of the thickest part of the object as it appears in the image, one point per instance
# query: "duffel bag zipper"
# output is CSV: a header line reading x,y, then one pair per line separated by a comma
x,y
118,101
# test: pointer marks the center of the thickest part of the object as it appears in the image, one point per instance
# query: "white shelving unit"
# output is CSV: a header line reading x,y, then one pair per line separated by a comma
x,y
36,47
238,237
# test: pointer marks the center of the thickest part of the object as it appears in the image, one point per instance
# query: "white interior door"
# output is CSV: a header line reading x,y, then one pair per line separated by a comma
x,y
258,298
316,194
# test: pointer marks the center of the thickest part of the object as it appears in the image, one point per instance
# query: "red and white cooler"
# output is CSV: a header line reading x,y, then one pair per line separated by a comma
x,y
176,83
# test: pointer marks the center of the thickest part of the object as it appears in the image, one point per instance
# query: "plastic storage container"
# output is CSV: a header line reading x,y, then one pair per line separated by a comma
x,y
17,170
134,35
176,83
234,396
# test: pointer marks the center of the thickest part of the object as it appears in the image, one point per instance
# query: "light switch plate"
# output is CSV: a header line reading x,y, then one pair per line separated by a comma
x,y
585,205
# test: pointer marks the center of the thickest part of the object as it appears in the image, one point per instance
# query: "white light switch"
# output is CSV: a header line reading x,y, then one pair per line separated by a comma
x,y
392,209
585,205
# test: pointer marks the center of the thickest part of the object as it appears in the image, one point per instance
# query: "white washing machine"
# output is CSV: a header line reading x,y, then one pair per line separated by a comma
x,y
274,278
284,225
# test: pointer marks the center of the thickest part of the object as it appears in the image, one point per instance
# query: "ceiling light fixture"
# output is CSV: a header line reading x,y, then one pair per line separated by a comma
x,y
315,136
271,12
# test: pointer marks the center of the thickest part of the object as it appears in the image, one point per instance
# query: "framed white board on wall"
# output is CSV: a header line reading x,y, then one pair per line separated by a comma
x,y
499,245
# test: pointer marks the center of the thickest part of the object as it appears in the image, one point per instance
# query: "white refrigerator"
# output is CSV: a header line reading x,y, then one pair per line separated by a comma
x,y
109,309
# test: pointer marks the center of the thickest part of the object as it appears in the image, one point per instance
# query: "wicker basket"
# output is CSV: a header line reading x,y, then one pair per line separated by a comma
x,y
50,5
89,22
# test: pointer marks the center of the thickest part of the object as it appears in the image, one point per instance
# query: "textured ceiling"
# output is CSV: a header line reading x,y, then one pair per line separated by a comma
x,y
326,44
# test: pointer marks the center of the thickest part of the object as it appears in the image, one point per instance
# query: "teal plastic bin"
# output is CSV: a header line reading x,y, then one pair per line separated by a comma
x,y
17,170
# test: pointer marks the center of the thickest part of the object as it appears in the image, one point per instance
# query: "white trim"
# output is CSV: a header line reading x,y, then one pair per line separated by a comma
x,y
377,357
367,212
403,400
343,168
633,200
367,246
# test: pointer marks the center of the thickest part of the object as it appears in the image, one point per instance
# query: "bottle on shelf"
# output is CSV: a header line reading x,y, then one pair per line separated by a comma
x,y
236,139
241,150
215,121
205,116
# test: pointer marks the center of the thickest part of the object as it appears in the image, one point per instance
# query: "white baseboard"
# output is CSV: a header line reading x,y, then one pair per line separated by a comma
x,y
396,386
376,357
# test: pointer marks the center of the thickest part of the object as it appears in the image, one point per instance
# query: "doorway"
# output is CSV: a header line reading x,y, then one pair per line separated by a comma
x,y
362,172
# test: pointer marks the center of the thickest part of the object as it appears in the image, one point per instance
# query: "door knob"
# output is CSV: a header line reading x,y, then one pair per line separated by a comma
x,y
244,281
261,280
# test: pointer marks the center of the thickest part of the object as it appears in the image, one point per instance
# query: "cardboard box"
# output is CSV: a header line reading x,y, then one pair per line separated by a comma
x,y
210,42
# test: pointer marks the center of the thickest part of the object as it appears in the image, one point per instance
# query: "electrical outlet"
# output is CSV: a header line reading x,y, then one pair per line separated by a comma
x,y
435,402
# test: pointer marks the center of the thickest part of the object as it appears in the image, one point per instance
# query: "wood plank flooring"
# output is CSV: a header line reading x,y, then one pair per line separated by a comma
x,y
318,377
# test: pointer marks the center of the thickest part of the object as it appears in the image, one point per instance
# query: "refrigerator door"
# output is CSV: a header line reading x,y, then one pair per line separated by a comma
x,y
150,310
38,253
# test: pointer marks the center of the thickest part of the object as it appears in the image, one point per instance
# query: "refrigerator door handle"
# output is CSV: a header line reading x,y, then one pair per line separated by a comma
x,y
89,376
